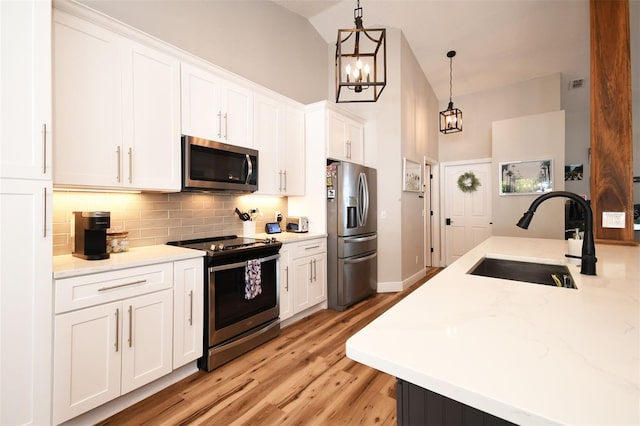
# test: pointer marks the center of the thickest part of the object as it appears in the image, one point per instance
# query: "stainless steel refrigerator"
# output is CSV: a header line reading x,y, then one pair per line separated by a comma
x,y
352,259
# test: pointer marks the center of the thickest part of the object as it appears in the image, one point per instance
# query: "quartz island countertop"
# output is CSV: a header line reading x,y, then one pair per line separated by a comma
x,y
528,353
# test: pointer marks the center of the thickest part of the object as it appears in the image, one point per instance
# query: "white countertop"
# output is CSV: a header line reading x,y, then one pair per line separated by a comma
x,y
528,353
66,266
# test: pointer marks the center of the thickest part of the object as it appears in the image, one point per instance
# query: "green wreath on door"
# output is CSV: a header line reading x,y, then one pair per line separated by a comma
x,y
468,182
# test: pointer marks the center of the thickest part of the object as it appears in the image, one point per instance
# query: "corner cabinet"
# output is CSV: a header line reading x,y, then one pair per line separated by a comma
x,y
305,277
214,108
116,110
280,139
116,331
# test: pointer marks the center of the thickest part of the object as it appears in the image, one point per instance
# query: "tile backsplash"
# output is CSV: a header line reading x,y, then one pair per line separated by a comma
x,y
153,218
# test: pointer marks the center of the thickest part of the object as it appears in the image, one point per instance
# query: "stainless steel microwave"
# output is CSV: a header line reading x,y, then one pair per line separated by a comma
x,y
214,166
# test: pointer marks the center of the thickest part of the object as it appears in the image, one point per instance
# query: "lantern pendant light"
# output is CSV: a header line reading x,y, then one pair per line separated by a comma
x,y
361,62
451,118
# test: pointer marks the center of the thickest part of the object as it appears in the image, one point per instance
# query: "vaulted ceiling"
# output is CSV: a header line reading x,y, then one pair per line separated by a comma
x,y
498,42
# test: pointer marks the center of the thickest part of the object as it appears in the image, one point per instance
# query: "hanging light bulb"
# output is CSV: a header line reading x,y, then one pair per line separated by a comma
x,y
451,118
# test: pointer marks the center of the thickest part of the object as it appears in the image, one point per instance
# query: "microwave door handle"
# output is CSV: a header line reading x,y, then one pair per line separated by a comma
x,y
249,168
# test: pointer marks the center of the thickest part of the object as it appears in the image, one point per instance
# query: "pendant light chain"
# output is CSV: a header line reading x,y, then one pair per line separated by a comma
x,y
450,78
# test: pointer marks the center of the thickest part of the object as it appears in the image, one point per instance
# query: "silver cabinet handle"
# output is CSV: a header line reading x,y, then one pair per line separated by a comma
x,y
315,269
44,212
119,161
310,271
122,285
130,326
219,123
191,307
44,148
286,286
226,126
285,181
312,247
130,165
117,329
280,180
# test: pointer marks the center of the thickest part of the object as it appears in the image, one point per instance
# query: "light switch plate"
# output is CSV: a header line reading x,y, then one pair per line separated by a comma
x,y
613,219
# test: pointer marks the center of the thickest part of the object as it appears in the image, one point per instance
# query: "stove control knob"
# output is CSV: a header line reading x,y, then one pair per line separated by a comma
x,y
220,247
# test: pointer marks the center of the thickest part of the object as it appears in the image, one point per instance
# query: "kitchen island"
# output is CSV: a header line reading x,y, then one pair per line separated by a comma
x,y
523,352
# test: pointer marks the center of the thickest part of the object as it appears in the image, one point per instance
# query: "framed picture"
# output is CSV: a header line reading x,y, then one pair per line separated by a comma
x,y
412,176
573,172
526,177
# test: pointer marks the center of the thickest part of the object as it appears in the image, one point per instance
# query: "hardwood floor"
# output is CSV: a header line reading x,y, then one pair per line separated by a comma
x,y
302,377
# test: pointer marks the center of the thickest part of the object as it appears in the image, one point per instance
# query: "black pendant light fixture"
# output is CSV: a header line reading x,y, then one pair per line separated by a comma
x,y
361,62
451,118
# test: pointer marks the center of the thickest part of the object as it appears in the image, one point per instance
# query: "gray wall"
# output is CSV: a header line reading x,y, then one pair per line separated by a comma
x,y
258,40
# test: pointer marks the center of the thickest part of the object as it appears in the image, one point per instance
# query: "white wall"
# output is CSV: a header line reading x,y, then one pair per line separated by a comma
x,y
533,137
260,41
480,109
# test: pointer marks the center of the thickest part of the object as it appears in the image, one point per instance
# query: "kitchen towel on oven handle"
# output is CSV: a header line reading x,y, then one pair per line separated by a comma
x,y
252,279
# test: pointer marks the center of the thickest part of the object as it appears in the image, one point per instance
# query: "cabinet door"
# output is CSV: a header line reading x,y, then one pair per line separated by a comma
x,y
285,282
87,112
337,143
355,142
201,103
268,114
87,357
303,277
146,339
237,116
318,283
26,300
188,310
293,148
151,126
25,104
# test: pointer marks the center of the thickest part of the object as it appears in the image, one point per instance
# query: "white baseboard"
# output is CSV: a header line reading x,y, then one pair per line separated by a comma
x,y
395,286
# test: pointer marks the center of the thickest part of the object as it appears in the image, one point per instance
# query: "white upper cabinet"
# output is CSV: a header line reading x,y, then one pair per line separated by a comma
x,y
280,140
214,108
25,55
346,138
116,110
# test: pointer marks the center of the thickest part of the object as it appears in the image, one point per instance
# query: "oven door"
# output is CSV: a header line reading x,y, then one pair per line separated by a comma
x,y
236,303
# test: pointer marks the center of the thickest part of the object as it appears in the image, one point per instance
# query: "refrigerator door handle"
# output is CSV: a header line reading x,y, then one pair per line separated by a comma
x,y
348,240
363,199
360,259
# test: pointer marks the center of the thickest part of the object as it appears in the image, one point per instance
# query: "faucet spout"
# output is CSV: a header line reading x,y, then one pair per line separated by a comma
x,y
588,264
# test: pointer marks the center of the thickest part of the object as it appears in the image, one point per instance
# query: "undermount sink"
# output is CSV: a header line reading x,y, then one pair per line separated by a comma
x,y
530,272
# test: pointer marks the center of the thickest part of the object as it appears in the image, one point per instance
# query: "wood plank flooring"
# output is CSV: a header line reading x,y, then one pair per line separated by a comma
x,y
302,377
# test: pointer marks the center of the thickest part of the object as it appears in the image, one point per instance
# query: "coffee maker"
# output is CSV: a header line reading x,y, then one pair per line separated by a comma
x,y
90,234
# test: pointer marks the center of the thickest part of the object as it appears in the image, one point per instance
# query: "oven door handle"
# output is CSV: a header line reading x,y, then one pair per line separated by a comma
x,y
241,264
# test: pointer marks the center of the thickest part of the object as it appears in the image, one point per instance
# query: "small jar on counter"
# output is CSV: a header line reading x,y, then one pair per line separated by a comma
x,y
117,242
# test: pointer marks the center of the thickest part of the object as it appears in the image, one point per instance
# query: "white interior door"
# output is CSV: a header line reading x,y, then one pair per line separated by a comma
x,y
467,215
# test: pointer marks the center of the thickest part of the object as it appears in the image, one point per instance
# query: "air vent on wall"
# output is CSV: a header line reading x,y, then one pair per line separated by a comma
x,y
576,84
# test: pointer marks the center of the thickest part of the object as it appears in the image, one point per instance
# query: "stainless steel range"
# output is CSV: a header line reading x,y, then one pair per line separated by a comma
x,y
241,295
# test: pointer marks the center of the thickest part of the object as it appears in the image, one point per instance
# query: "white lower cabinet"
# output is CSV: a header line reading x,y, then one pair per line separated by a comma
x,y
119,330
305,276
188,305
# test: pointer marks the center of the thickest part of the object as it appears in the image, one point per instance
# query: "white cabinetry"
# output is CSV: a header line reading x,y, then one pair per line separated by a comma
x,y
307,282
214,108
286,290
113,334
25,212
117,110
188,305
345,138
279,137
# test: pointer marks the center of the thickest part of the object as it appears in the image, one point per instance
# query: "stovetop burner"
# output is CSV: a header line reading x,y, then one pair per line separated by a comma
x,y
230,244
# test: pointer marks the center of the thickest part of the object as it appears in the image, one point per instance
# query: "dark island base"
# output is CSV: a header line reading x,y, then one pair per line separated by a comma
x,y
419,406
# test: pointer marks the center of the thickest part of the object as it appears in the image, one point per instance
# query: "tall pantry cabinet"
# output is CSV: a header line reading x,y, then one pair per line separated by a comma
x,y
25,212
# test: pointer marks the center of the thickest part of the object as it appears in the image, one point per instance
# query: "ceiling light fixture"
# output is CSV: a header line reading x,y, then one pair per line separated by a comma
x,y
451,118
361,62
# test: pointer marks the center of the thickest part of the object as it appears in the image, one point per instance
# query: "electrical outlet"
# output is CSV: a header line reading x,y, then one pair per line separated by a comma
x,y
613,219
277,216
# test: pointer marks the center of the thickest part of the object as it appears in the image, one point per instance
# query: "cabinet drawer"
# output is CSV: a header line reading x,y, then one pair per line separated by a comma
x,y
309,248
89,290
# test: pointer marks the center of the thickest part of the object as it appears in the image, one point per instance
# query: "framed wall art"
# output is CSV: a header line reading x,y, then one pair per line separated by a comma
x,y
526,177
412,176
